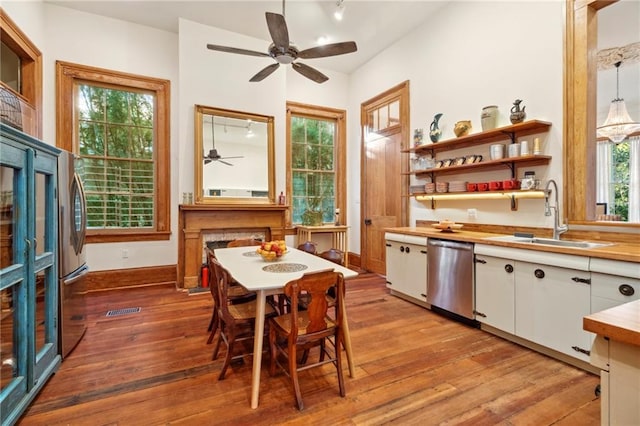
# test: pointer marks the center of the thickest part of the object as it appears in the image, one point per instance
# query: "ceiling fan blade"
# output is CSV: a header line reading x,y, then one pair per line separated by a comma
x,y
224,162
235,50
207,160
266,71
278,30
309,72
333,49
229,158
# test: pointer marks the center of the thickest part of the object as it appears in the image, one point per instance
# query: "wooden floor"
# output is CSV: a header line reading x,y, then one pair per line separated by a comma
x,y
412,367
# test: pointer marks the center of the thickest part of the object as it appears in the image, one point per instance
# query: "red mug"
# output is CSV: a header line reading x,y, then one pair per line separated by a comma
x,y
472,187
483,186
495,185
510,184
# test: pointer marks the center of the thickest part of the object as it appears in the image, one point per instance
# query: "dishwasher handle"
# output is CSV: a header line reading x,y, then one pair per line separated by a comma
x,y
450,244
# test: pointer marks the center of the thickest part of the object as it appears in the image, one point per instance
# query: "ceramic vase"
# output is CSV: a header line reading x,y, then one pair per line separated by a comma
x,y
462,128
434,131
517,115
489,117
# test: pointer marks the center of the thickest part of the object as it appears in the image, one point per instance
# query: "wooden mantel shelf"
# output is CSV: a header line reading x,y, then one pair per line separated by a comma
x,y
197,219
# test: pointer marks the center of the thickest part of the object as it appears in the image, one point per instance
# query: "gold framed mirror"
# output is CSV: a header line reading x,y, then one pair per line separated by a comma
x,y
234,157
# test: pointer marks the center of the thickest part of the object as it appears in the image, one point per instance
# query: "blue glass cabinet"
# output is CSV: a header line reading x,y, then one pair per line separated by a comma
x,y
29,352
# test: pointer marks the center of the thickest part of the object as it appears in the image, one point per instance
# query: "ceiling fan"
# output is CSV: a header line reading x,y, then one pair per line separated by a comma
x,y
213,153
285,52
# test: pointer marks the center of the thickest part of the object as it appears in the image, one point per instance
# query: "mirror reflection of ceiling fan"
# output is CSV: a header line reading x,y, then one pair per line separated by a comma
x,y
285,52
213,153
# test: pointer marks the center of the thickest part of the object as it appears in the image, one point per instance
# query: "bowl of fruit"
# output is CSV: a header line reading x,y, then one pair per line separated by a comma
x,y
272,251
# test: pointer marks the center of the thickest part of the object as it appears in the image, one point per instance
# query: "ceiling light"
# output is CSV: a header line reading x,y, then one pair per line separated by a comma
x,y
322,40
618,124
339,12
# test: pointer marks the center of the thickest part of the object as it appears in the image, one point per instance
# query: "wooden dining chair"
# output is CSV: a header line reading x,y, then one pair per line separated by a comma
x,y
308,246
333,255
236,322
236,294
301,330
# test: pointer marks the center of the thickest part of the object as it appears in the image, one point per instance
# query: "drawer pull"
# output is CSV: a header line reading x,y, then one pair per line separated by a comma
x,y
582,280
508,268
579,349
539,273
407,250
481,261
626,290
480,314
401,249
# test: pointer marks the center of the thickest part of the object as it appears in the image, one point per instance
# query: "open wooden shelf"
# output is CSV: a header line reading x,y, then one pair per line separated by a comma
x,y
511,163
525,128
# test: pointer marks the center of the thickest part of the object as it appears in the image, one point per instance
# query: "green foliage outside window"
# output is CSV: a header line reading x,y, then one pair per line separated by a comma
x,y
620,179
313,169
116,140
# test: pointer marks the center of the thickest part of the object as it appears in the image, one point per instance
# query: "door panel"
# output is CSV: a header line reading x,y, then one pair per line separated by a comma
x,y
385,124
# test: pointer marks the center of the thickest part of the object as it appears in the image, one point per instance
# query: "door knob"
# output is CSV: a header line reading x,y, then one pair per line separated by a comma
x,y
367,221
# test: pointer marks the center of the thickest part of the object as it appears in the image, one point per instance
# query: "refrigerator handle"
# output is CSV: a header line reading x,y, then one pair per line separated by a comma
x,y
83,216
84,271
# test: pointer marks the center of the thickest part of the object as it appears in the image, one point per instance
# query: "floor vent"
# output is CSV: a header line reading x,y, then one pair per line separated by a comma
x,y
124,311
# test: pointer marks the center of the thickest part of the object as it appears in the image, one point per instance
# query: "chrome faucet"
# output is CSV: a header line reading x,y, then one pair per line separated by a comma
x,y
557,228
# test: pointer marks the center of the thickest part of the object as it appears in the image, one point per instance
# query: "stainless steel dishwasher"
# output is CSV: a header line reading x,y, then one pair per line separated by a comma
x,y
450,276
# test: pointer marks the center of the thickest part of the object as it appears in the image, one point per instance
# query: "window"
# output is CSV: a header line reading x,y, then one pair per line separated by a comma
x,y
316,164
119,128
24,76
618,179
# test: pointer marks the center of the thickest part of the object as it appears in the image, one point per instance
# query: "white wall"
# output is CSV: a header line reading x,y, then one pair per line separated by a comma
x,y
68,35
469,55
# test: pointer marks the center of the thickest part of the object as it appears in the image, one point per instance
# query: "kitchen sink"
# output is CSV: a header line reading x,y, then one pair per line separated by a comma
x,y
548,241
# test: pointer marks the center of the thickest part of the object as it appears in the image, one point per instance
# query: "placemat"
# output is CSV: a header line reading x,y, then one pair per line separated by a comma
x,y
284,267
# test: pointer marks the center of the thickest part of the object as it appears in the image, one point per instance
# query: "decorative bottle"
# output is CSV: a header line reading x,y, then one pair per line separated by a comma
x,y
434,131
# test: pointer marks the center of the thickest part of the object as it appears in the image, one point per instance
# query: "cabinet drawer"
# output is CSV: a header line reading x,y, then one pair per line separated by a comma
x,y
614,287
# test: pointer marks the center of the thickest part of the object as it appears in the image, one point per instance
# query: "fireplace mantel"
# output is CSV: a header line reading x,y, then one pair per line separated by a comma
x,y
197,219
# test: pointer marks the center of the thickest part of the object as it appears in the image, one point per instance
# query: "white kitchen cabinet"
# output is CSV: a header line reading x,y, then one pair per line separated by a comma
x,y
613,283
550,304
549,295
406,263
495,292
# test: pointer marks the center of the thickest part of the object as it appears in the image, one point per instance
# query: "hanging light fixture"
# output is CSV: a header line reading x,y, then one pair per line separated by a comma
x,y
339,12
618,124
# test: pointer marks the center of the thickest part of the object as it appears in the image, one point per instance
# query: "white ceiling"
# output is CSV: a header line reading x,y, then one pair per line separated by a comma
x,y
373,25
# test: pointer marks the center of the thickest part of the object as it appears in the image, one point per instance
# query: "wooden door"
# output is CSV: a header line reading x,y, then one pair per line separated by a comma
x,y
385,133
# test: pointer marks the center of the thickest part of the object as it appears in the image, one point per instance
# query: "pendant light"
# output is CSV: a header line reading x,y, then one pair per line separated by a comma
x,y
618,124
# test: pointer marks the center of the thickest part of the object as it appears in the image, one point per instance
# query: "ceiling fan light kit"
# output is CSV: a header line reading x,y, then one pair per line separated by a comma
x,y
286,53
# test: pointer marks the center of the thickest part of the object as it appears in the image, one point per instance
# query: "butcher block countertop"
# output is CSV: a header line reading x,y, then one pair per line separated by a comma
x,y
617,251
620,323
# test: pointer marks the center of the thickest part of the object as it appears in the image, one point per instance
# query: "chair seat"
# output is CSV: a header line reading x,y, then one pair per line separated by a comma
x,y
247,310
239,291
284,322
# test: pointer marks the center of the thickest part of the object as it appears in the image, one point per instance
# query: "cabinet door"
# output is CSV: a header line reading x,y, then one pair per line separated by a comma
x,y
495,292
395,264
550,305
407,268
416,271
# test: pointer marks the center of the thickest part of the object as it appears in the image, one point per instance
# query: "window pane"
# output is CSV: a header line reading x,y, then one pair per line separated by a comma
x,y
116,140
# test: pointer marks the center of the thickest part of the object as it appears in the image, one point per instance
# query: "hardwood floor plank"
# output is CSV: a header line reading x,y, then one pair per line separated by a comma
x,y
413,366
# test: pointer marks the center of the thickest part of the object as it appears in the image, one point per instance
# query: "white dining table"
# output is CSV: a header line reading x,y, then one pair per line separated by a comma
x,y
269,278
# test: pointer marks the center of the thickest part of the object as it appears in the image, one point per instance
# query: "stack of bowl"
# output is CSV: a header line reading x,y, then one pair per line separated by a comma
x,y
429,187
457,186
442,186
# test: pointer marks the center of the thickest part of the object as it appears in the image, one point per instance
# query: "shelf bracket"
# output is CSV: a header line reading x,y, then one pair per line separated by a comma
x,y
512,167
514,203
433,204
512,136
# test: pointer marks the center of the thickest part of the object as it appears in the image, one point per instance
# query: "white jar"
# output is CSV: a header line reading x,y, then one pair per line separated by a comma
x,y
496,151
524,148
514,150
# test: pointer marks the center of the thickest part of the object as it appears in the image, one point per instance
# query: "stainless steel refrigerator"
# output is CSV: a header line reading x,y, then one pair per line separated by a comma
x,y
73,270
